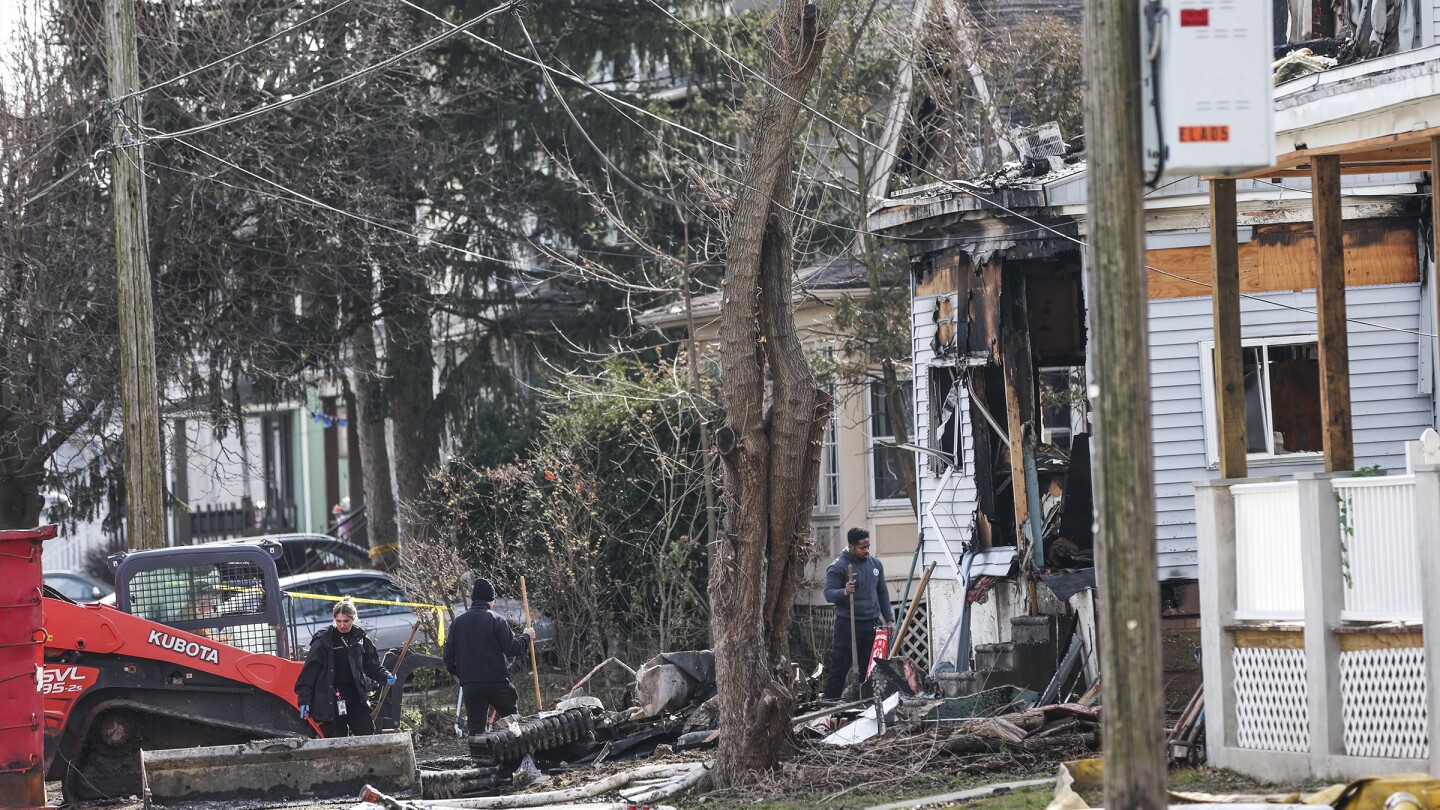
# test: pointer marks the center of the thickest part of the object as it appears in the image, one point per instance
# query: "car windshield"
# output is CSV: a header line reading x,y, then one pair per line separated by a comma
x,y
308,556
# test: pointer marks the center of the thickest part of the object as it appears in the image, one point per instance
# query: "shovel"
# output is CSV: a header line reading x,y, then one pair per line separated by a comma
x,y
854,638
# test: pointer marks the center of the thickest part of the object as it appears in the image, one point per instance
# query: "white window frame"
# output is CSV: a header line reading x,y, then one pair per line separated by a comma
x,y
870,446
1207,389
827,483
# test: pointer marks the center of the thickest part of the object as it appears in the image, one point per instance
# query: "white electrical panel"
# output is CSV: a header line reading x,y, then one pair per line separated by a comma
x,y
1207,75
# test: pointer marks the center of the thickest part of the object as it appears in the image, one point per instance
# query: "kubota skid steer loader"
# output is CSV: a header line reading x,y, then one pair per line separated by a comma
x,y
196,654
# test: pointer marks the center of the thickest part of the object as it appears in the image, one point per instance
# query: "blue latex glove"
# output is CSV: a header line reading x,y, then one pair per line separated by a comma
x,y
304,711
390,681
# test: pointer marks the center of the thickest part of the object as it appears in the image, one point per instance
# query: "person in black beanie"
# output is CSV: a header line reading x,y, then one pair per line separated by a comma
x,y
331,685
477,652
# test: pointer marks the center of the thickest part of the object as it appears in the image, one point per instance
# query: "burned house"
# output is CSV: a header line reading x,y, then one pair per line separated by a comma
x,y
999,321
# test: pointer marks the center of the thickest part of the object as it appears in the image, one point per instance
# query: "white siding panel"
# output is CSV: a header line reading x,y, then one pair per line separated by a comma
x,y
1387,407
956,506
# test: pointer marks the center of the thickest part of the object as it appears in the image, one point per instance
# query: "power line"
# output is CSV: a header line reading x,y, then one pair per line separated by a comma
x,y
573,78
361,73
960,185
238,53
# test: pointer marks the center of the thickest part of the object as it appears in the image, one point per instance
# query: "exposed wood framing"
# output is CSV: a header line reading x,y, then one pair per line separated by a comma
x,y
1020,399
1367,640
1330,304
1281,257
1274,639
1229,370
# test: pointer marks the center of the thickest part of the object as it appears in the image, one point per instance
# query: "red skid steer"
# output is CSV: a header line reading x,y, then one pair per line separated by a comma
x,y
195,669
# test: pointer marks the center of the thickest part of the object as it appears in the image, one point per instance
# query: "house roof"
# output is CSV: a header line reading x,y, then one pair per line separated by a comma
x,y
828,279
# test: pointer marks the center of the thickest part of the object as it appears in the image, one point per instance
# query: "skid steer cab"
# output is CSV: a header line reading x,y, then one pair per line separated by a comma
x,y
198,650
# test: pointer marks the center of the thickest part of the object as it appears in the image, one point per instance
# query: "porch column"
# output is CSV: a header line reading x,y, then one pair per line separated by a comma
x,y
1225,302
1330,306
1215,535
1435,233
1324,588
1427,516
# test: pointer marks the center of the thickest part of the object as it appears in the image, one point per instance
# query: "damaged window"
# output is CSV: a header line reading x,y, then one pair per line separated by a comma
x,y
1282,397
1062,403
944,399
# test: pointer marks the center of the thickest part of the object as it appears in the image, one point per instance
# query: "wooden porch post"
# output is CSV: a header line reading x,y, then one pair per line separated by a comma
x,y
1330,306
1225,301
1435,235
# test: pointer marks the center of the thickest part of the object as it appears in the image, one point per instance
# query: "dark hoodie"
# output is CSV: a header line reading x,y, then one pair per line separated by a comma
x,y
872,596
316,684
479,642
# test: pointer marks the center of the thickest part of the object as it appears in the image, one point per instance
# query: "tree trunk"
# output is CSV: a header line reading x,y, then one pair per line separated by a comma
x,y
368,421
770,460
410,364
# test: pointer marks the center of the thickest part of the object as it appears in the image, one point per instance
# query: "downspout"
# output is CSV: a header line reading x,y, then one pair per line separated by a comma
x,y
1032,499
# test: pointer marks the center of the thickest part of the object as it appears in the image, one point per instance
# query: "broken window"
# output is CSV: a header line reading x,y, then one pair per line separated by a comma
x,y
1062,402
887,465
1282,397
944,400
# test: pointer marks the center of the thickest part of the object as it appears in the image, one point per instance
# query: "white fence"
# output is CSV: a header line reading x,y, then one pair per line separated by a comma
x,y
1267,552
1378,548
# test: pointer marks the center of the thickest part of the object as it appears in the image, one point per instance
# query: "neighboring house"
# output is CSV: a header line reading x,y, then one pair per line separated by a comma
x,y
860,481
283,469
999,301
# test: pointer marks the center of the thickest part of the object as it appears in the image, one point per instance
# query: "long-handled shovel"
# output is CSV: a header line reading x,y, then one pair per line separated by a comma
x,y
534,669
380,704
854,638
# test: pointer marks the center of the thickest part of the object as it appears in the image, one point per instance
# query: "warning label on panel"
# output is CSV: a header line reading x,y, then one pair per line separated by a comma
x,y
1217,134
1194,17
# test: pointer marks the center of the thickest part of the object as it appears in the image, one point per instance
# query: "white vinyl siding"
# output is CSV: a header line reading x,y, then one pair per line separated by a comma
x,y
956,507
1387,406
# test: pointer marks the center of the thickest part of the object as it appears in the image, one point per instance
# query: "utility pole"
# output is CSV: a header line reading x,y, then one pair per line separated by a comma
x,y
1124,458
139,392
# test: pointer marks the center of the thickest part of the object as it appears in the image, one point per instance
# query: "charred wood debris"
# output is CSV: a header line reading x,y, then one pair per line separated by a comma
x,y
657,746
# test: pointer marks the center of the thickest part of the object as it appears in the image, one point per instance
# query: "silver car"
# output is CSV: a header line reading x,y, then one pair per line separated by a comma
x,y
388,626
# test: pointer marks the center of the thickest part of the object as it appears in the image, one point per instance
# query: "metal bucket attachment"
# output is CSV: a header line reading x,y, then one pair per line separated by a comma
x,y
280,769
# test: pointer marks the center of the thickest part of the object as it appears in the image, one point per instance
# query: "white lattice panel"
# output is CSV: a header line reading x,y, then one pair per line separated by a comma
x,y
1382,695
1270,699
1267,551
1377,530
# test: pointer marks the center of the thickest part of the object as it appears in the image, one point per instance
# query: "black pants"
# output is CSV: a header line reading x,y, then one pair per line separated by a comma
x,y
481,696
840,656
355,721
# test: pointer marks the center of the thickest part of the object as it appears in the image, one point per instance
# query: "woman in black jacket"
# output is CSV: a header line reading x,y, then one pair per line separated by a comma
x,y
331,686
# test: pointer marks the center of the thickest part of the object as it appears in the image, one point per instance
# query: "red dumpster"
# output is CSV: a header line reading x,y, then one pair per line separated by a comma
x,y
22,718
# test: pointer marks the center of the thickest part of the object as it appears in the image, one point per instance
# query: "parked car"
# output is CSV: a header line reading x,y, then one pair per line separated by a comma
x,y
387,625
307,553
78,587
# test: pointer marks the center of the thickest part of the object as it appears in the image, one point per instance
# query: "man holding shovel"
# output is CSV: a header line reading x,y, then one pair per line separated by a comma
x,y
477,652
855,585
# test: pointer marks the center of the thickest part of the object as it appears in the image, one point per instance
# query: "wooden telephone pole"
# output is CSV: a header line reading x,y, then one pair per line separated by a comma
x,y
1124,459
139,392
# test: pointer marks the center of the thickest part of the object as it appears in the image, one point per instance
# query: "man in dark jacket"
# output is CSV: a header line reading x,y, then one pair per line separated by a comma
x,y
477,652
331,686
871,602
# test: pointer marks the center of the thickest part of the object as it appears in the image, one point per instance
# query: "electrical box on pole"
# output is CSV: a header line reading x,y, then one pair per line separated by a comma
x,y
1208,93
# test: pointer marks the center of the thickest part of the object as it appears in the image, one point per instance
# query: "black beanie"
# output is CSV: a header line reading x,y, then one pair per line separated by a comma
x,y
483,592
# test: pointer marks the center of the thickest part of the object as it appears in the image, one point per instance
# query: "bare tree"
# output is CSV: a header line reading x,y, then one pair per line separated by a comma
x,y
58,361
769,445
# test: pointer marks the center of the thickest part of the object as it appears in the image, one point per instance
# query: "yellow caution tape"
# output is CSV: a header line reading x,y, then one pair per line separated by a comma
x,y
378,550
438,610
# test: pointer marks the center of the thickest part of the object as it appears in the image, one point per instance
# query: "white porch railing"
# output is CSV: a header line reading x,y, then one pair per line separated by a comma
x,y
1349,689
1267,552
1378,551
